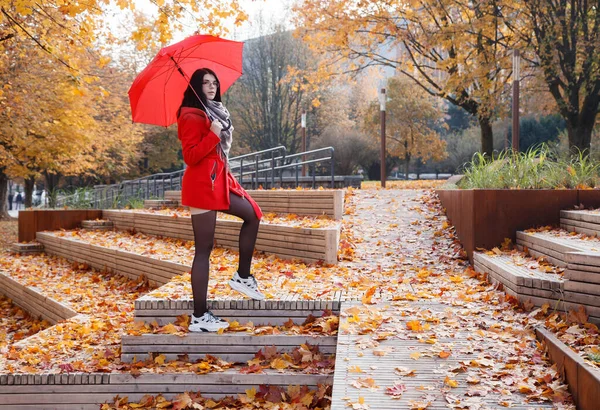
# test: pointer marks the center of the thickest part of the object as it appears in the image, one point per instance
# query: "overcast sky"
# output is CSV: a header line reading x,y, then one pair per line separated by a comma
x,y
271,11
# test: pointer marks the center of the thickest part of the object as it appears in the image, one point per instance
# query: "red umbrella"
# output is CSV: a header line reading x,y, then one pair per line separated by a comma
x,y
156,93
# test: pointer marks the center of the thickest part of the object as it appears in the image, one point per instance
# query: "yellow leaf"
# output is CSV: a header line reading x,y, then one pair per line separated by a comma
x,y
450,382
415,355
279,364
366,299
251,393
160,360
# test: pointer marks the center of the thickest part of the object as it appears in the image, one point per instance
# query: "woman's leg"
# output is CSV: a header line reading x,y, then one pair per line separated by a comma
x,y
204,236
241,208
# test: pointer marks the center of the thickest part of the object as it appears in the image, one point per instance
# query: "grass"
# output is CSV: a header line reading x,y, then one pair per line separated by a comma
x,y
537,168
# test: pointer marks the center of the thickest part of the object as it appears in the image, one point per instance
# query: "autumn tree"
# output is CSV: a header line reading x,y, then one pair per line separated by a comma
x,y
412,116
565,38
77,126
338,123
452,49
267,101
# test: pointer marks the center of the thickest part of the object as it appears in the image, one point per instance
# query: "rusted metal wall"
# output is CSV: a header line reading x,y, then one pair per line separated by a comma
x,y
484,217
34,221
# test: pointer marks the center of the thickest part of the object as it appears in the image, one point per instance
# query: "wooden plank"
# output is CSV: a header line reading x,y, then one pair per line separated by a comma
x,y
582,276
583,258
257,321
591,226
583,287
584,216
229,339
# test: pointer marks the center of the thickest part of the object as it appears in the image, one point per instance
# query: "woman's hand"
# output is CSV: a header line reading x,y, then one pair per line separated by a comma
x,y
216,127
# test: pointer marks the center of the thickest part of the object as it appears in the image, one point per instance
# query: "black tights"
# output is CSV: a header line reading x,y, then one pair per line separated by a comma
x,y
204,236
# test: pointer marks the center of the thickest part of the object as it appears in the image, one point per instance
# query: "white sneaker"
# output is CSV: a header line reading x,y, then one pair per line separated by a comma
x,y
248,287
207,323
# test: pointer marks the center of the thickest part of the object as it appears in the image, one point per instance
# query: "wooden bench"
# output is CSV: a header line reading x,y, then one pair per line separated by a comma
x,y
238,347
69,391
34,301
286,242
311,202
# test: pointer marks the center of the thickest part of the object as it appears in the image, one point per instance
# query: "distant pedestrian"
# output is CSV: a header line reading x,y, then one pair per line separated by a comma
x,y
18,201
10,200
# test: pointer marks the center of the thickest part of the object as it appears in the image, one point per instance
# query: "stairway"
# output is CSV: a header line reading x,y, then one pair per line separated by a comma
x,y
299,355
574,249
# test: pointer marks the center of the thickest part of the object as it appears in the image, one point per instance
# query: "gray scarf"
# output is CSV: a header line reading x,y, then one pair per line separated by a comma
x,y
217,110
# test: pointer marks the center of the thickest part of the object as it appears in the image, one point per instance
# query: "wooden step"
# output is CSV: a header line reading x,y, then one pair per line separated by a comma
x,y
287,242
559,250
34,301
97,225
266,312
310,202
561,294
238,347
586,222
88,391
125,263
519,281
30,248
160,203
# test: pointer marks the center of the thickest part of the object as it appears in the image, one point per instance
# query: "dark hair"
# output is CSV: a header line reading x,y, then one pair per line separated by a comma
x,y
189,96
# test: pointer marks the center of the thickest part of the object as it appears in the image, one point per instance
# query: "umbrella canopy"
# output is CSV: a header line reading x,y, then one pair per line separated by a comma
x,y
156,93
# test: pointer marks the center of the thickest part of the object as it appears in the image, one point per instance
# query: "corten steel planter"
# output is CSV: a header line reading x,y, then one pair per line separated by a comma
x,y
34,221
483,218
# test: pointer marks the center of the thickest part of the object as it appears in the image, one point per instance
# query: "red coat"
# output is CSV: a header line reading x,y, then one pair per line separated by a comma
x,y
206,181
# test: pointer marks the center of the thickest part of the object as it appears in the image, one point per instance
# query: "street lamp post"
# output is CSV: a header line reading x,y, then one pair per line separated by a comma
x,y
303,123
382,101
515,100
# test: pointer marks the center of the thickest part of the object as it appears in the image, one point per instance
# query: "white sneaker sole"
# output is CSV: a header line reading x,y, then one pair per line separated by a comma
x,y
205,327
244,290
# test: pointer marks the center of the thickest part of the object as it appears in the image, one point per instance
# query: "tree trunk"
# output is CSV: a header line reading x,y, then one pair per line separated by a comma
x,y
487,135
406,159
580,130
52,181
29,184
3,196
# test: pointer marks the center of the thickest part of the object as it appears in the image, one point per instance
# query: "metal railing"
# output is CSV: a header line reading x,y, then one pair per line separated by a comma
x,y
267,168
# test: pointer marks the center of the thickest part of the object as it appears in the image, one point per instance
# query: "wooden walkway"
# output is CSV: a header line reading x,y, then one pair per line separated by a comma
x,y
363,360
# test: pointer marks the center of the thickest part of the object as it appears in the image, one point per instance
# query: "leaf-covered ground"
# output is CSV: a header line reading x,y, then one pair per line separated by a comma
x,y
15,325
401,249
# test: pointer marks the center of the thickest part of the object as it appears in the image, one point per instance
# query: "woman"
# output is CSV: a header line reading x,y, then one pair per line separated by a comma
x,y
205,131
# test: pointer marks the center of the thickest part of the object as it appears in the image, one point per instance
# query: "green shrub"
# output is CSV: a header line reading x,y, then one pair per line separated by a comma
x,y
537,168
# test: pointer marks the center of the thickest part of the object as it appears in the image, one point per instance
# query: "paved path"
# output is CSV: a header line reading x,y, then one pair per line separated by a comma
x,y
444,338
